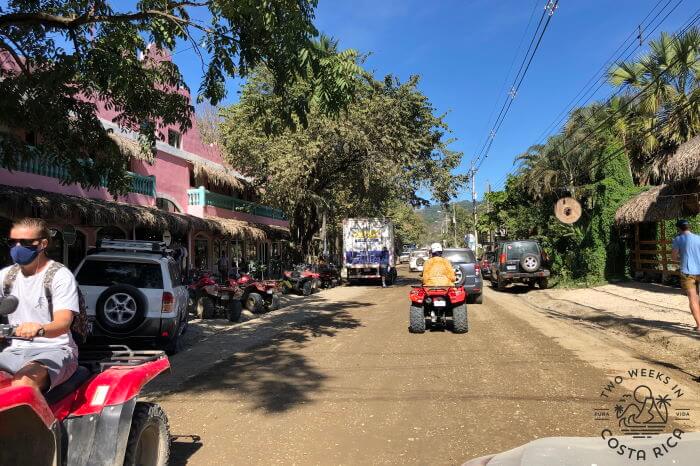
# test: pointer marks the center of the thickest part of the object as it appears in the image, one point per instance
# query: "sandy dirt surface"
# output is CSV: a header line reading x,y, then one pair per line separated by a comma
x,y
338,379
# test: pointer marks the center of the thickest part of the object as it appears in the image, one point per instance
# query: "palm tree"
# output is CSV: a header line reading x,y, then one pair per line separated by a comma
x,y
663,92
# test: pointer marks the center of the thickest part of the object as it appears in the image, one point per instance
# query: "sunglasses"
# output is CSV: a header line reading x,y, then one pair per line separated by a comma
x,y
24,242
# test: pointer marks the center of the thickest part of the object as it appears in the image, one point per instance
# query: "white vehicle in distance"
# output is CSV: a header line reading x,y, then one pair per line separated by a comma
x,y
416,260
134,292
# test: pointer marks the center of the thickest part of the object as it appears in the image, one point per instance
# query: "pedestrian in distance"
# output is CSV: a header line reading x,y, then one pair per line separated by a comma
x,y
48,303
223,266
384,265
686,249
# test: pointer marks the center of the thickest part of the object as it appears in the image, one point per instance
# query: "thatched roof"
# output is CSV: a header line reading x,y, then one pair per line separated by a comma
x,y
685,162
129,146
665,202
226,177
18,202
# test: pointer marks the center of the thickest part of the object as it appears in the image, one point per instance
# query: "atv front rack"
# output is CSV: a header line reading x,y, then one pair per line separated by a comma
x,y
100,358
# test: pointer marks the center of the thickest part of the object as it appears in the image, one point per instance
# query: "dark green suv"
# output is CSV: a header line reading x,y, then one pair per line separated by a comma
x,y
521,261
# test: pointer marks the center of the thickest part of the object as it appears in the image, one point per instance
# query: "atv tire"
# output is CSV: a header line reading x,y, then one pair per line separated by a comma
x,y
275,302
255,303
234,311
149,437
479,299
416,320
307,288
205,308
460,323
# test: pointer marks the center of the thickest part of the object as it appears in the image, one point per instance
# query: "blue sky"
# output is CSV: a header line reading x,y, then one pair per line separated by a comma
x,y
464,49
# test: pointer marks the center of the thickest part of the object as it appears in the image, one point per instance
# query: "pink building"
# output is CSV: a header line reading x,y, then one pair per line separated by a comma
x,y
186,192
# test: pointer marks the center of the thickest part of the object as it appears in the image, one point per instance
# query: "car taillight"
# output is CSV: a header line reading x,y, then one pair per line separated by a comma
x,y
502,259
417,295
168,302
477,269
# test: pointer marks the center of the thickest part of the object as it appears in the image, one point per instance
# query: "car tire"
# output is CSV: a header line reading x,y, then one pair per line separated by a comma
x,y
149,436
500,284
530,262
307,288
255,303
460,323
543,283
204,308
416,322
174,345
479,299
120,308
235,309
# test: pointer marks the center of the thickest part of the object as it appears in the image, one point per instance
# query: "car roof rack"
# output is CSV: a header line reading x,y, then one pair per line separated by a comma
x,y
127,245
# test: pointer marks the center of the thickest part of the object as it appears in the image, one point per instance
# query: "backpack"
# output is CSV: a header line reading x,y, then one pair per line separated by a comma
x,y
79,326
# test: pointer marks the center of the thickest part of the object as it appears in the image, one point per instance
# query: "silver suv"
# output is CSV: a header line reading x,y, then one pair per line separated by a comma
x,y
133,291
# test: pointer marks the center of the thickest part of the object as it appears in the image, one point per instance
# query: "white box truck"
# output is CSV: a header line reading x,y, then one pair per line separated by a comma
x,y
364,240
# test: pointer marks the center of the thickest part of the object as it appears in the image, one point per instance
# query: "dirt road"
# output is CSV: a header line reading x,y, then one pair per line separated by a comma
x,y
352,386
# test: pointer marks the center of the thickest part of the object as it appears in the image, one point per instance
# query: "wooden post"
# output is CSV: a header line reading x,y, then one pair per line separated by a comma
x,y
637,264
664,259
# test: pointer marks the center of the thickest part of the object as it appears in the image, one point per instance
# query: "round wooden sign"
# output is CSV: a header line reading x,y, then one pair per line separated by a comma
x,y
567,210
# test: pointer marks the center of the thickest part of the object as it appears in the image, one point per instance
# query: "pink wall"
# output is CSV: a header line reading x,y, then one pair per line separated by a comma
x,y
172,176
46,183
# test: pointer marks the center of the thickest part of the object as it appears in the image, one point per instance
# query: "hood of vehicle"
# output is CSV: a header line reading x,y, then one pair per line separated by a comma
x,y
587,451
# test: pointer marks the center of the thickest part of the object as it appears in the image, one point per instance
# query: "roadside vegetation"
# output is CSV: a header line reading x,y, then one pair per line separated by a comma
x,y
603,155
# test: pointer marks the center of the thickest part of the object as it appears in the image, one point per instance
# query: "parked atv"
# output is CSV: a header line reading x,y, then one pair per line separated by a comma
x,y
92,418
209,298
438,305
328,275
302,279
257,296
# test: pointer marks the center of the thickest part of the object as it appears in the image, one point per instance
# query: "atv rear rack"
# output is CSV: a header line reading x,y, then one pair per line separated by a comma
x,y
100,358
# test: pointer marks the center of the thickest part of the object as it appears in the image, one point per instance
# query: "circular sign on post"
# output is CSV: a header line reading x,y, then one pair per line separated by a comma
x,y
69,235
167,237
567,210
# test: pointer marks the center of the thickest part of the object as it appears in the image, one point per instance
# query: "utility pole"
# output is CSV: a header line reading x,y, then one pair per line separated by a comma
x,y
488,210
476,233
454,223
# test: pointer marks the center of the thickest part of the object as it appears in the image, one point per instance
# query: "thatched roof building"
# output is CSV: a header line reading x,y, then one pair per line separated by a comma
x,y
18,202
668,201
685,162
227,177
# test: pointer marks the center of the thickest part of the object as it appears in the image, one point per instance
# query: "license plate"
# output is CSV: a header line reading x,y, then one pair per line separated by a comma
x,y
510,267
367,270
439,303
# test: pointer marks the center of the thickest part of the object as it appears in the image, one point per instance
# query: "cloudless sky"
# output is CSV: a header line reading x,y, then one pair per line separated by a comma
x,y
463,50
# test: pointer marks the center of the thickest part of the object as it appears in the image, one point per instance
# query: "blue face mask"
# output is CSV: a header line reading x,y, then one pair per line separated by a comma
x,y
24,255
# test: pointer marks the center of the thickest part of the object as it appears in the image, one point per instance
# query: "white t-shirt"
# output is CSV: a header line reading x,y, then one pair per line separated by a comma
x,y
33,306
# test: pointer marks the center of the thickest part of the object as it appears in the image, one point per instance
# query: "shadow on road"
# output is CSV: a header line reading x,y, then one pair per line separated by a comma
x,y
181,451
275,376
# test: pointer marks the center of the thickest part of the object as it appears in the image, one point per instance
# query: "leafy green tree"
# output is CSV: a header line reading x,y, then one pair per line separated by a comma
x,y
59,57
384,148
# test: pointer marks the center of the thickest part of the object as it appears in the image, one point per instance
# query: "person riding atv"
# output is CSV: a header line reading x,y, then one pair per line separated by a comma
x,y
437,270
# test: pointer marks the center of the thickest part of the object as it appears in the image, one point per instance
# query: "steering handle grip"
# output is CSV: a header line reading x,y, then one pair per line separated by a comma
x,y
7,332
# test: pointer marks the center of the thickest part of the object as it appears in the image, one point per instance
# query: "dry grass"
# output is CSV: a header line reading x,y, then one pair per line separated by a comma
x,y
685,162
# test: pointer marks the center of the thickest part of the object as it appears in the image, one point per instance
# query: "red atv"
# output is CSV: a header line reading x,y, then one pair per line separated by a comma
x,y
438,305
93,418
302,279
256,295
209,298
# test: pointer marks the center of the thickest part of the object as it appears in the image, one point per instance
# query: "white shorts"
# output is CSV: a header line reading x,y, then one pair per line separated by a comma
x,y
61,362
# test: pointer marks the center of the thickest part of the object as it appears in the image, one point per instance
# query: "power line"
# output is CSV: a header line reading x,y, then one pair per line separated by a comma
x,y
617,56
547,13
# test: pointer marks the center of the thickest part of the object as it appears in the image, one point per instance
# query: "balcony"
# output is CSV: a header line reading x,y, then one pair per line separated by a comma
x,y
140,184
202,197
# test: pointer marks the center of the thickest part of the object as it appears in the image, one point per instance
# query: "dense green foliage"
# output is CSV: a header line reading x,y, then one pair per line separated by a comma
x,y
59,57
603,156
381,151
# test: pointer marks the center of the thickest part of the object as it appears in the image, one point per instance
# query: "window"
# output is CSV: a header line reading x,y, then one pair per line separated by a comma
x,y
201,253
174,138
459,257
166,205
108,273
517,249
175,278
111,232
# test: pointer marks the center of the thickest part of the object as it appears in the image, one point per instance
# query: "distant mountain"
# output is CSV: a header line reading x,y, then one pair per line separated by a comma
x,y
434,216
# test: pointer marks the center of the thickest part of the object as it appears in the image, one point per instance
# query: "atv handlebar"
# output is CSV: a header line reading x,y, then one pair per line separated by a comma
x,y
8,332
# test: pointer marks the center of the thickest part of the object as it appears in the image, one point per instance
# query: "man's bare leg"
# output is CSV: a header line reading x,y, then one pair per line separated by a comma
x,y
32,375
694,300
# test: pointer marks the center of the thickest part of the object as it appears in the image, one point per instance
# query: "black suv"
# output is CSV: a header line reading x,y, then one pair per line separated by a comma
x,y
521,261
